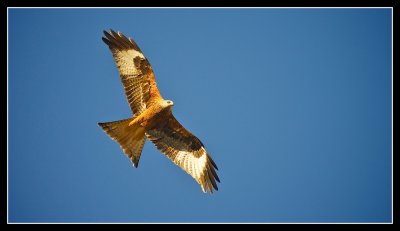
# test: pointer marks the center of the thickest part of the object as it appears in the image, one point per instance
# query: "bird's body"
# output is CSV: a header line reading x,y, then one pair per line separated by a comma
x,y
154,115
153,118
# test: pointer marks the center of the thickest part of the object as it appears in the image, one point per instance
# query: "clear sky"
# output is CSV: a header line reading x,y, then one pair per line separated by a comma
x,y
294,106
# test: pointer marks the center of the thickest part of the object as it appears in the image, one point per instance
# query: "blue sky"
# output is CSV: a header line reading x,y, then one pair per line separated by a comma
x,y
294,105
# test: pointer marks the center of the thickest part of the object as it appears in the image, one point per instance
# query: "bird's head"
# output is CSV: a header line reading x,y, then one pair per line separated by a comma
x,y
167,103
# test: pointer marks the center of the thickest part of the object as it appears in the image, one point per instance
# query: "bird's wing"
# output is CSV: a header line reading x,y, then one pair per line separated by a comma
x,y
185,150
135,71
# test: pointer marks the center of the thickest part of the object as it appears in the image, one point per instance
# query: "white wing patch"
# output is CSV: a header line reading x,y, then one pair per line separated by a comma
x,y
124,60
198,164
194,166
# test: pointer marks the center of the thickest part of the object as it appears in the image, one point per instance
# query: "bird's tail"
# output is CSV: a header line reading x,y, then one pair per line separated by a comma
x,y
130,138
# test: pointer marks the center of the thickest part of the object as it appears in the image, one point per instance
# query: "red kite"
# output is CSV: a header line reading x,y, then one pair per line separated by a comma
x,y
152,117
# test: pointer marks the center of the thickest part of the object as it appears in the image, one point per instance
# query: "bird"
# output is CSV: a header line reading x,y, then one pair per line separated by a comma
x,y
152,117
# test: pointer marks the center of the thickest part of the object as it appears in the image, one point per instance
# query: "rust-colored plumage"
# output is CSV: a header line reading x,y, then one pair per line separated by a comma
x,y
152,117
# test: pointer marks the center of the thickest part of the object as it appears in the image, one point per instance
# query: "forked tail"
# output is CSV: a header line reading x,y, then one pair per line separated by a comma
x,y
130,138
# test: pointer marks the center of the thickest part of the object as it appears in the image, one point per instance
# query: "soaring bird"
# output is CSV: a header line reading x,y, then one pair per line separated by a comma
x,y
152,117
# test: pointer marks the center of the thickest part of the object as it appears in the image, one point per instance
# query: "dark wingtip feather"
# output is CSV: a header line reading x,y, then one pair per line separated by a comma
x,y
125,40
214,173
109,36
106,41
217,178
117,41
212,180
112,31
210,175
115,35
106,33
212,162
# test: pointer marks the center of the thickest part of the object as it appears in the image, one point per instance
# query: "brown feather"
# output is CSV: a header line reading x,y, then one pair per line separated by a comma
x,y
126,40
